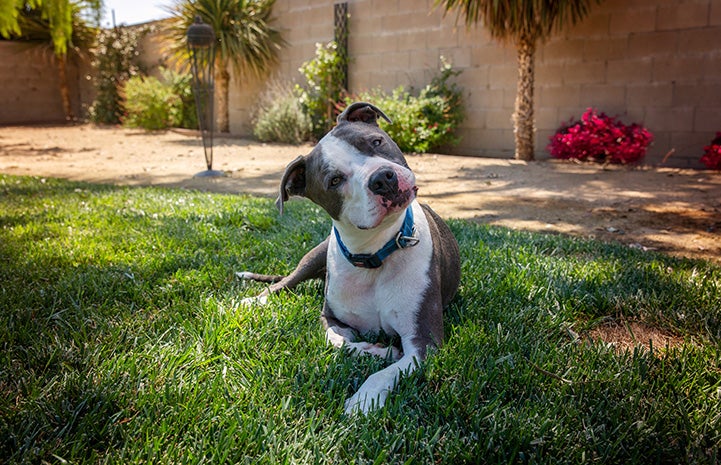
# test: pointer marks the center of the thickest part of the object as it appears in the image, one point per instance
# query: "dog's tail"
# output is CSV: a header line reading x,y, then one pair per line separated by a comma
x,y
263,278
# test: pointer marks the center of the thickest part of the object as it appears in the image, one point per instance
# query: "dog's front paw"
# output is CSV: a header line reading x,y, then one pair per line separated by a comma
x,y
365,401
260,299
379,350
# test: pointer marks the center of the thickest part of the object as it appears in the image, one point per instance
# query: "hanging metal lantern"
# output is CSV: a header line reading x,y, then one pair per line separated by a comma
x,y
201,49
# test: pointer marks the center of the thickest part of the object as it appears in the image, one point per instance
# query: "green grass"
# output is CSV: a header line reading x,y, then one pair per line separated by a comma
x,y
122,342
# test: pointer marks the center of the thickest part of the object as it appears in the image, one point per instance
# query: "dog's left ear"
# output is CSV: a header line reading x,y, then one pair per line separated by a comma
x,y
362,112
293,182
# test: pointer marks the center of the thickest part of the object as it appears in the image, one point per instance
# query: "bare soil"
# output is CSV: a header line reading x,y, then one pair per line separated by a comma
x,y
674,211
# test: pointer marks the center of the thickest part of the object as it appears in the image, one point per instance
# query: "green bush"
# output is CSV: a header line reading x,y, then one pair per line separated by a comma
x,y
323,91
280,117
424,122
151,104
181,85
114,62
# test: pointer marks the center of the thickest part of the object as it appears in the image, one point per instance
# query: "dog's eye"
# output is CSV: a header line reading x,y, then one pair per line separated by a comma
x,y
377,142
335,181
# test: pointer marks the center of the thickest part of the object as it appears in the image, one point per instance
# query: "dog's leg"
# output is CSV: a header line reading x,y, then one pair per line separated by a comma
x,y
374,391
340,335
311,266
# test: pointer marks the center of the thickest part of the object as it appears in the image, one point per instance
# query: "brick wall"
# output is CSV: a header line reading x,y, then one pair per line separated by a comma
x,y
29,89
656,62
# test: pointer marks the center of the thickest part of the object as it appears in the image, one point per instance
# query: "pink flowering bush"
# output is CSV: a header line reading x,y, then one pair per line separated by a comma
x,y
600,138
712,154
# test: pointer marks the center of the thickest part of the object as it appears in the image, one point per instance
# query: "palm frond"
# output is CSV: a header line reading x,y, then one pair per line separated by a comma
x,y
244,34
507,20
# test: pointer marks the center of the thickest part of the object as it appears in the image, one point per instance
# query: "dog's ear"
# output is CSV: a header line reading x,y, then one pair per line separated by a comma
x,y
362,112
293,182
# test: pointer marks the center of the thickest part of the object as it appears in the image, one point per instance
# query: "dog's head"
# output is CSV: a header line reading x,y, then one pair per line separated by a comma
x,y
356,172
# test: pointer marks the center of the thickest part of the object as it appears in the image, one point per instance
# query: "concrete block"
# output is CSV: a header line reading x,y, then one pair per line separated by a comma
x,y
558,96
474,78
380,8
671,119
704,40
561,49
663,43
596,24
412,40
649,94
492,54
546,118
458,57
584,72
629,71
483,98
679,68
715,13
633,20
700,94
683,15
498,119
605,97
395,60
707,119
549,73
605,48
502,76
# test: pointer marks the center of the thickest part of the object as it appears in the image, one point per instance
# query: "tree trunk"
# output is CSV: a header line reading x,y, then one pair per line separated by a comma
x,y
62,62
222,81
523,124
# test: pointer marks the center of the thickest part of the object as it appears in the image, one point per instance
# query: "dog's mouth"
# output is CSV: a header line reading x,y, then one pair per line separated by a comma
x,y
389,204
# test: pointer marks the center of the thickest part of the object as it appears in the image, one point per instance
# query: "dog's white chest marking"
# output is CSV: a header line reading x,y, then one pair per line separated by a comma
x,y
385,298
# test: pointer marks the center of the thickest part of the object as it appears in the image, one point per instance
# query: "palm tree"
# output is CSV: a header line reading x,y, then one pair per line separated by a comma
x,y
245,40
525,23
58,22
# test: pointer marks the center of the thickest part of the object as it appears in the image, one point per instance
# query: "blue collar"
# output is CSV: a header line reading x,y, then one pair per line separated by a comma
x,y
406,237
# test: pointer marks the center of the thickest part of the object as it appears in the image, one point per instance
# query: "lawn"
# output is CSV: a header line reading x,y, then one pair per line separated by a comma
x,y
123,342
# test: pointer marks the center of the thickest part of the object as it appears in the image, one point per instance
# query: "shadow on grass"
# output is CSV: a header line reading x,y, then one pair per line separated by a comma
x,y
122,339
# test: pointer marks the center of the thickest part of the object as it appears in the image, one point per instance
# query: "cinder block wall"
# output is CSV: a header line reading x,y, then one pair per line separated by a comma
x,y
656,62
29,88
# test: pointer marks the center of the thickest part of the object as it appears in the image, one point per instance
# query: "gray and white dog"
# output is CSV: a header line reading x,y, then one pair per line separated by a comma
x,y
390,264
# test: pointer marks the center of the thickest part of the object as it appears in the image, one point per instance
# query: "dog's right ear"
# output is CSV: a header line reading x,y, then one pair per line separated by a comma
x,y
363,112
293,182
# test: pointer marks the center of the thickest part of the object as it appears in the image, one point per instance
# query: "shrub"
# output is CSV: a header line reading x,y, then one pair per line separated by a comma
x,y
114,62
424,122
181,85
712,154
151,104
279,116
323,90
600,138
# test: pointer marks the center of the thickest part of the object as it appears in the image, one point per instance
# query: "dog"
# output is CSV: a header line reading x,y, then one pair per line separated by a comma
x,y
390,264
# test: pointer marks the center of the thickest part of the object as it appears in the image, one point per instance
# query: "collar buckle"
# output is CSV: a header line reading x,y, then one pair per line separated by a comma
x,y
407,241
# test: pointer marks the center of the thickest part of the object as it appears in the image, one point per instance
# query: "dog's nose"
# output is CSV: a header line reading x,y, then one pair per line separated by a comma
x,y
383,182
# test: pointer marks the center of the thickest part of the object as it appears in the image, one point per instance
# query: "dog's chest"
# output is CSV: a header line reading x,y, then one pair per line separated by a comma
x,y
387,298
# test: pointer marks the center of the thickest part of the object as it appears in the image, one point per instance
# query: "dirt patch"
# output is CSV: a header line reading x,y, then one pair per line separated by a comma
x,y
675,211
627,335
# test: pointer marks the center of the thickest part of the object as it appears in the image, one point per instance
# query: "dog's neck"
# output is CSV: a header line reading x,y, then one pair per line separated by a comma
x,y
368,241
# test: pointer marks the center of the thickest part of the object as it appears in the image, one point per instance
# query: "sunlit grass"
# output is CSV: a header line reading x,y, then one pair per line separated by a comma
x,y
123,342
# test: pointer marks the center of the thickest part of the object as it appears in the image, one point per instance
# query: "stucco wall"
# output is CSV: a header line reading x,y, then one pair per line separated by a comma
x,y
29,88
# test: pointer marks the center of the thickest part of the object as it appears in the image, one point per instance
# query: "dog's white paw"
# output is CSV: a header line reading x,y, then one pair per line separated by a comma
x,y
365,400
379,350
253,301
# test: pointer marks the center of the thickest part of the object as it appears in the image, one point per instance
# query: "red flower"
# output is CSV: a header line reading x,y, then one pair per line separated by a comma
x,y
712,154
601,138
